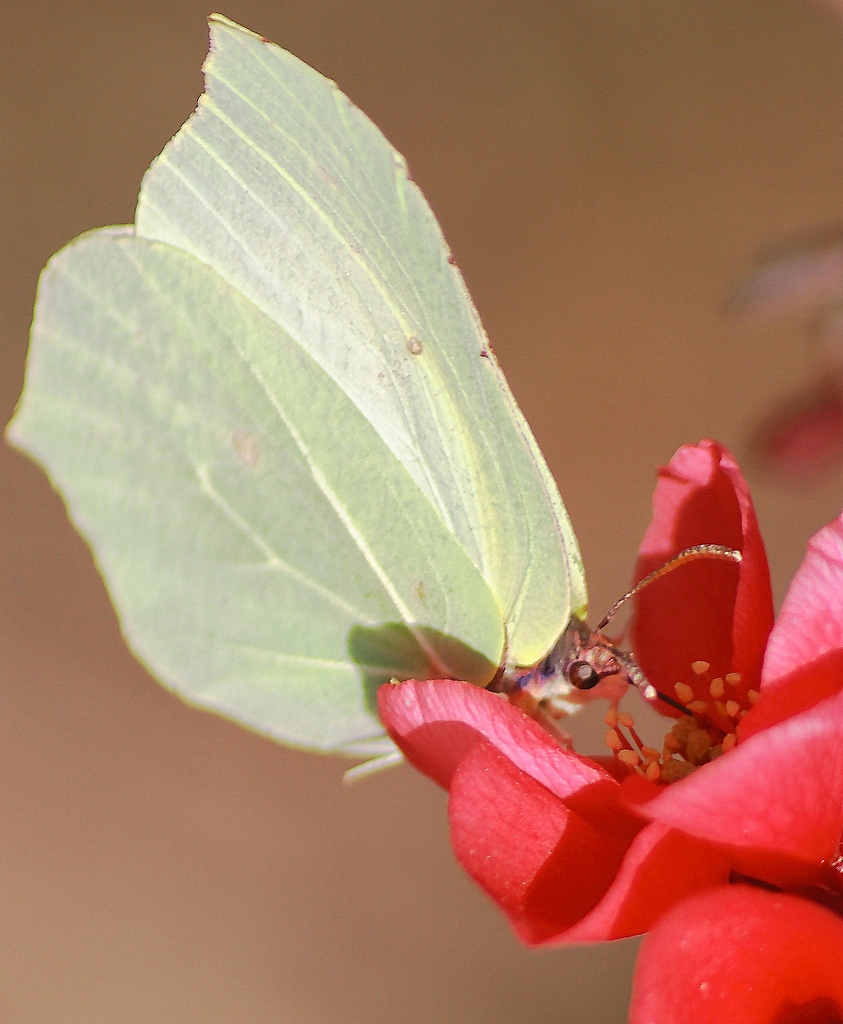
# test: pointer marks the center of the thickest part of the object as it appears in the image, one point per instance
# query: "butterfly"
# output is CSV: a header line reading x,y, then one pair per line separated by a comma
x,y
273,413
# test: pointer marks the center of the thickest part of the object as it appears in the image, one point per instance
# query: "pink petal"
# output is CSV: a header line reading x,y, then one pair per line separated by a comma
x,y
437,722
707,610
804,659
778,794
742,955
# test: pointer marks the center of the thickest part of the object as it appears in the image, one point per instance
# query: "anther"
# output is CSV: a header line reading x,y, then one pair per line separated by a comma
x,y
717,687
700,667
732,708
613,741
684,692
699,707
733,678
671,744
752,696
697,747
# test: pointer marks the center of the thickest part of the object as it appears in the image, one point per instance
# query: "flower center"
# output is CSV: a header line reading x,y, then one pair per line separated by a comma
x,y
716,706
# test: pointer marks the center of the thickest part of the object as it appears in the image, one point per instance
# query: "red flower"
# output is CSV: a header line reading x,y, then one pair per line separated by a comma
x,y
578,849
742,955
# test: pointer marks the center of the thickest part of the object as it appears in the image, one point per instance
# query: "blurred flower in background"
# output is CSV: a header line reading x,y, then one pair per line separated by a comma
x,y
803,438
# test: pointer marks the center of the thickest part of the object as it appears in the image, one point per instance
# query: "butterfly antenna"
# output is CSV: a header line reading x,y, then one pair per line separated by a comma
x,y
716,551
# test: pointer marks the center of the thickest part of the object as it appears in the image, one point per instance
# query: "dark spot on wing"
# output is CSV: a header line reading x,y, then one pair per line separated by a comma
x,y
414,345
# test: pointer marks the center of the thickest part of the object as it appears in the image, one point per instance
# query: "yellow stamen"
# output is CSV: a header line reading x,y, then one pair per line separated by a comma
x,y
683,692
611,718
613,741
732,708
717,688
733,678
700,667
653,771
699,707
752,696
729,742
626,720
629,757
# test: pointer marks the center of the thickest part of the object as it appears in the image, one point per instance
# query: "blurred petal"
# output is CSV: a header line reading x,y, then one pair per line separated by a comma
x,y
803,438
712,611
742,955
799,279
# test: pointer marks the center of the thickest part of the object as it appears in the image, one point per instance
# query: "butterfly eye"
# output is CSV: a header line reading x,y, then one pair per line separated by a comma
x,y
582,675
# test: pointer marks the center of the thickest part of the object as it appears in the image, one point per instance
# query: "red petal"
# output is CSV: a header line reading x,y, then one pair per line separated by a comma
x,y
708,610
741,955
437,722
541,862
556,876
778,794
660,867
804,659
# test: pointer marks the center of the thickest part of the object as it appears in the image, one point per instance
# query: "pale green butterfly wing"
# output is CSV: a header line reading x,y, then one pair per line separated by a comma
x,y
299,466
265,554
295,197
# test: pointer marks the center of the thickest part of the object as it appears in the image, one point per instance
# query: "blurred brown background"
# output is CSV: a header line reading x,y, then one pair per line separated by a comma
x,y
604,170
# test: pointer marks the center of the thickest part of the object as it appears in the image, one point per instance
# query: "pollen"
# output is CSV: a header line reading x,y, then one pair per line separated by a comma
x,y
705,733
684,692
614,741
